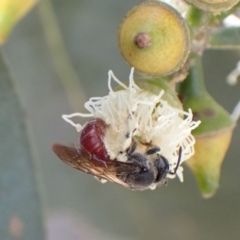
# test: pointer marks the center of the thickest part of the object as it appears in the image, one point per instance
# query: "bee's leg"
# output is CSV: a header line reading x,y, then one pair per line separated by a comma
x,y
132,148
125,138
152,150
102,180
98,161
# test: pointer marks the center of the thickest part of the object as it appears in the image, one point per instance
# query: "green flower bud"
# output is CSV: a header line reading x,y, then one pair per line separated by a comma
x,y
214,134
154,39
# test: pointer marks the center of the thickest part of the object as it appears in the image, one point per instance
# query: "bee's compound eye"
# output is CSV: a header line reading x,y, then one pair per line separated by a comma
x,y
91,138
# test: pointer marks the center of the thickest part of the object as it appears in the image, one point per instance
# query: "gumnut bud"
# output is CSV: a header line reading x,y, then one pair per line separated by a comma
x,y
214,134
11,11
213,5
154,39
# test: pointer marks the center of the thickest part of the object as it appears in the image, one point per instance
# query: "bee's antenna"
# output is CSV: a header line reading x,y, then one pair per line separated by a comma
x,y
178,162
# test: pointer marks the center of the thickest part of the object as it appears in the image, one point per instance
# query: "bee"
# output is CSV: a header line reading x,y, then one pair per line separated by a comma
x,y
139,172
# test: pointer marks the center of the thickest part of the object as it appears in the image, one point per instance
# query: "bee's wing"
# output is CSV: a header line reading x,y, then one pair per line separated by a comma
x,y
111,170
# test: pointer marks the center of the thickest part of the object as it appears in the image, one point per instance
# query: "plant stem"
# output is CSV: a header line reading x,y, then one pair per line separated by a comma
x,y
194,85
195,16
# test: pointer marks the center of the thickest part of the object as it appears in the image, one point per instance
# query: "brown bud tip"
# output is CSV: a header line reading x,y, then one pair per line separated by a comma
x,y
143,40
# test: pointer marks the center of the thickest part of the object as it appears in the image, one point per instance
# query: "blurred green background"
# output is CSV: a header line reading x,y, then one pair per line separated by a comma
x,y
76,206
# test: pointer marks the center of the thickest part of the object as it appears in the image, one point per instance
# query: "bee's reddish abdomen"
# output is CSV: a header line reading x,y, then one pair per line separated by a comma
x,y
91,138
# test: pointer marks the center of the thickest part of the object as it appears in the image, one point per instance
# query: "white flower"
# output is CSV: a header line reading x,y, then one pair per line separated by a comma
x,y
145,117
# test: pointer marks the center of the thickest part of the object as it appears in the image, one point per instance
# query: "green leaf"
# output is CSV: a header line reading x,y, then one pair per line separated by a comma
x,y
20,206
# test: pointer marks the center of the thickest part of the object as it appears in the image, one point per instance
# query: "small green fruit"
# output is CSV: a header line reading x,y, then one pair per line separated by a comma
x,y
154,39
210,150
